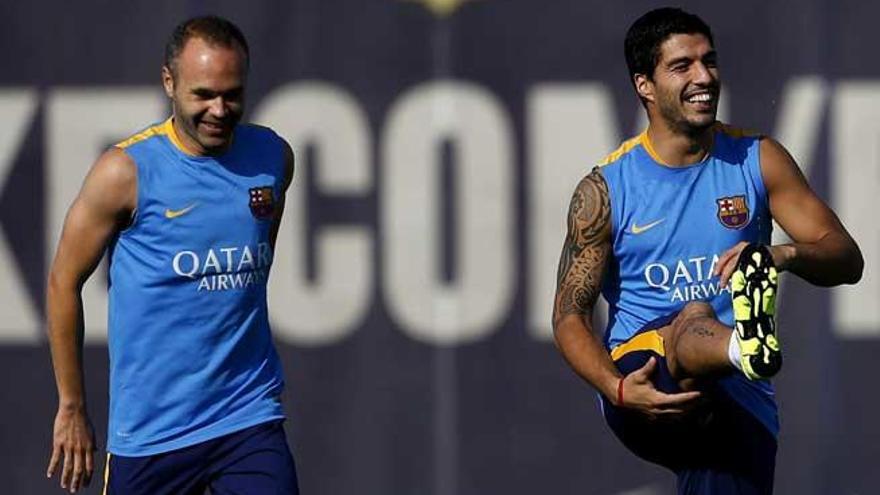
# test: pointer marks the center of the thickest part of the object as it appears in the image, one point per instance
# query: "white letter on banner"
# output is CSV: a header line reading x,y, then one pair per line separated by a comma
x,y
570,128
855,181
798,127
80,125
19,321
326,311
473,305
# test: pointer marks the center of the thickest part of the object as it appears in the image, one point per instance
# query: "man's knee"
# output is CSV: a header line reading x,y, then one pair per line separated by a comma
x,y
692,310
673,333
696,309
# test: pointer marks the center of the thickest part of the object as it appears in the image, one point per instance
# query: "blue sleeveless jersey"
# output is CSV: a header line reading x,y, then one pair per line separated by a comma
x,y
669,227
191,355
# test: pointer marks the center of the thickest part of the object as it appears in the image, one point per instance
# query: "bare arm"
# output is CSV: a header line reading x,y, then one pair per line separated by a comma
x,y
581,268
103,205
823,253
279,207
582,265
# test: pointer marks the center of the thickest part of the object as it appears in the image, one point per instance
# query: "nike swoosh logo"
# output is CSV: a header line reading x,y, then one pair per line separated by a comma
x,y
638,230
169,213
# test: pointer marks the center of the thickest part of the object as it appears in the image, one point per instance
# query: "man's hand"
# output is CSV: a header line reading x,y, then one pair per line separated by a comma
x,y
727,262
640,394
74,440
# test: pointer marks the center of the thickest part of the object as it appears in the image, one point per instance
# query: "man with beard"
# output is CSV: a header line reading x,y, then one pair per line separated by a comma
x,y
189,210
660,228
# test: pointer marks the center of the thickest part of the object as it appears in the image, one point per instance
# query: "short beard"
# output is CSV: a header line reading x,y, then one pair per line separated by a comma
x,y
680,125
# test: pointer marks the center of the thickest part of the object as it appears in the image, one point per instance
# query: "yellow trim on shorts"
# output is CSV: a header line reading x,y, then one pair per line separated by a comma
x,y
106,474
648,341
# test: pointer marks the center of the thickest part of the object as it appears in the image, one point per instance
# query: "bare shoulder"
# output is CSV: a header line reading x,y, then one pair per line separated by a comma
x,y
774,153
111,184
585,250
115,164
778,167
590,208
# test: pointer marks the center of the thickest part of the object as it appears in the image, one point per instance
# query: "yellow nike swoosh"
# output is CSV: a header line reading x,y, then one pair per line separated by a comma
x,y
638,230
169,213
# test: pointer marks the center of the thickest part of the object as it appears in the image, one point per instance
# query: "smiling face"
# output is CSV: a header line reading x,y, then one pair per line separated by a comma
x,y
206,87
685,86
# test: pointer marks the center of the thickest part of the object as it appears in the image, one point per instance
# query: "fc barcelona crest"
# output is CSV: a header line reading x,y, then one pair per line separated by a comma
x,y
262,202
733,211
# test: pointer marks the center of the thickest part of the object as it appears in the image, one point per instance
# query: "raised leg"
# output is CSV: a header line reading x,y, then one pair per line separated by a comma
x,y
696,343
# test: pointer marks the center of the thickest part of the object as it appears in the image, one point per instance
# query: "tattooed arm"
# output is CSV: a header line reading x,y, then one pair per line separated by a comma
x,y
581,268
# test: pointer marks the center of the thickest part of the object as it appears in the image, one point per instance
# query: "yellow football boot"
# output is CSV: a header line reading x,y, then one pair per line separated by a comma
x,y
753,293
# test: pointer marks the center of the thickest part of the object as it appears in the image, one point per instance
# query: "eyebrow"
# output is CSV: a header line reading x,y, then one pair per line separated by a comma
x,y
677,61
210,93
709,54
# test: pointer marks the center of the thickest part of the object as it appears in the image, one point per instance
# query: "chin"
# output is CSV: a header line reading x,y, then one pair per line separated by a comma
x,y
701,123
214,142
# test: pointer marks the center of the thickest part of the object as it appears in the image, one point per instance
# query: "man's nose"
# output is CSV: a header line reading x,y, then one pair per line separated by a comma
x,y
702,74
218,107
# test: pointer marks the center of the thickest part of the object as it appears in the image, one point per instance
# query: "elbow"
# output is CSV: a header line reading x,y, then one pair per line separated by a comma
x,y
556,333
854,267
845,267
561,333
857,268
566,332
848,272
53,284
58,285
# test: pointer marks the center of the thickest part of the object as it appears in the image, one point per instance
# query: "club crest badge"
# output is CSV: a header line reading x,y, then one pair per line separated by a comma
x,y
262,202
733,211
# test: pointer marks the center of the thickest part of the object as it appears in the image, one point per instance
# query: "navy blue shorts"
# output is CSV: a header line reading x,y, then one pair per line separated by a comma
x,y
719,449
251,461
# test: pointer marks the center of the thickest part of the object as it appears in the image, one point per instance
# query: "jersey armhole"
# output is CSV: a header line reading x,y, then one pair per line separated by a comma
x,y
756,172
612,216
135,214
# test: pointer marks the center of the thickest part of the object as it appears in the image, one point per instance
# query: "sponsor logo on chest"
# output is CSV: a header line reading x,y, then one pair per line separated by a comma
x,y
226,267
685,280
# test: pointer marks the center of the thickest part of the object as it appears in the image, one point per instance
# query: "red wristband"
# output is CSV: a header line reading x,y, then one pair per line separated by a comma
x,y
620,393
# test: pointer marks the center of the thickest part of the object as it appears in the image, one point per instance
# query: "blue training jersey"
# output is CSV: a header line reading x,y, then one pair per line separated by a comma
x,y
191,355
669,227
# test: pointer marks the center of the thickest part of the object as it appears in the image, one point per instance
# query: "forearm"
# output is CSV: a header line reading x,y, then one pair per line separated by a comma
x,y
832,260
65,333
586,355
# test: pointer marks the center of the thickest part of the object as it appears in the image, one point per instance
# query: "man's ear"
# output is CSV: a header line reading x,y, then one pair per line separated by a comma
x,y
644,87
168,81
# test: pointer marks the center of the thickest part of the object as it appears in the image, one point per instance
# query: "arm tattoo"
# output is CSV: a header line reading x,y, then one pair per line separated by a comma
x,y
586,248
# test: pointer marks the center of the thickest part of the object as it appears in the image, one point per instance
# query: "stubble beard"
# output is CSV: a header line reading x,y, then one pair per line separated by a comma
x,y
189,124
680,124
